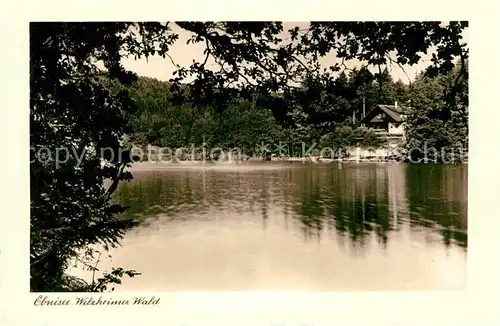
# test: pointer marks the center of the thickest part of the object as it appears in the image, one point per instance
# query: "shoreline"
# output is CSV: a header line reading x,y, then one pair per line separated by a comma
x,y
256,164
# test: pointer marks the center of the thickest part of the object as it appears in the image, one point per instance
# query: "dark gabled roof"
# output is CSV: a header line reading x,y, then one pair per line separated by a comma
x,y
377,119
392,111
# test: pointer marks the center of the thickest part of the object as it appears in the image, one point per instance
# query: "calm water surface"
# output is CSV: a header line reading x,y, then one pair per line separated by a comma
x,y
321,227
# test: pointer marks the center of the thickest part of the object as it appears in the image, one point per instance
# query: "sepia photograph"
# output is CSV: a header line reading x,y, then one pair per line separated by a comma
x,y
316,156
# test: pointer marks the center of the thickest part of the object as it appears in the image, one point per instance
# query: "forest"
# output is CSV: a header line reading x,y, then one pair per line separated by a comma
x,y
311,115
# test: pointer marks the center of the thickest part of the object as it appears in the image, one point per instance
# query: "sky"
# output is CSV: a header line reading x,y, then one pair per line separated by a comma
x,y
162,69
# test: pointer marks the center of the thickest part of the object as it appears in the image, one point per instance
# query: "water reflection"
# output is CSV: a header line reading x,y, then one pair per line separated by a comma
x,y
357,201
320,227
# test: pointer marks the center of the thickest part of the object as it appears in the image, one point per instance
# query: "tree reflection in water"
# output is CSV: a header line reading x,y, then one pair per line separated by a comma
x,y
360,202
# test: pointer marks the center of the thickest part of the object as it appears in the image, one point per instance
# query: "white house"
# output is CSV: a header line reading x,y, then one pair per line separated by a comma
x,y
386,119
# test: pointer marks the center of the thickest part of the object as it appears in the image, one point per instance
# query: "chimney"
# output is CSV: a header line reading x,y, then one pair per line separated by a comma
x,y
396,104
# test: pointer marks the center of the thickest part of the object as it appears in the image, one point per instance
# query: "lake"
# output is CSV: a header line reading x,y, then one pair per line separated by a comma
x,y
274,226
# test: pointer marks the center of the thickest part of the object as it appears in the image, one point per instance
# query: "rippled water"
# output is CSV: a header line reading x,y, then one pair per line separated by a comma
x,y
321,227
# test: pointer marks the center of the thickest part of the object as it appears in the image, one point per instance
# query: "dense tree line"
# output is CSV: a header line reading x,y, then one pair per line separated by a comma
x,y
303,116
438,122
328,116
